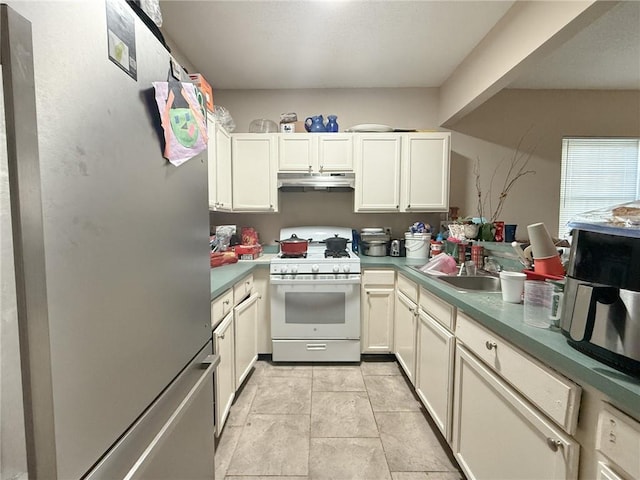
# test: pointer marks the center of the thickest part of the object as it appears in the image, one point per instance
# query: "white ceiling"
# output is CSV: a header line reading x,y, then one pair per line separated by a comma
x,y
358,44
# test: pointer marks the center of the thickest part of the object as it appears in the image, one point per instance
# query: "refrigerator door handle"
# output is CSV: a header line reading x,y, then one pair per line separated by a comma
x,y
212,362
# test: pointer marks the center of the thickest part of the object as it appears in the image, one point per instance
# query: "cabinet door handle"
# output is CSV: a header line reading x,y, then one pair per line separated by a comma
x,y
309,168
321,168
226,302
397,206
248,282
554,443
491,345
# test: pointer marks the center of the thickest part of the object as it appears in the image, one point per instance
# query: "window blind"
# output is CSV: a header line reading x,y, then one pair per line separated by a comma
x,y
597,173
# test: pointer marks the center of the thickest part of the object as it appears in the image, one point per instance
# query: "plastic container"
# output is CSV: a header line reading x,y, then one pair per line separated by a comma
x,y
417,245
538,300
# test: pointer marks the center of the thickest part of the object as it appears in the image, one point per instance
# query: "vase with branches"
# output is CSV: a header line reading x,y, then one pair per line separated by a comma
x,y
516,169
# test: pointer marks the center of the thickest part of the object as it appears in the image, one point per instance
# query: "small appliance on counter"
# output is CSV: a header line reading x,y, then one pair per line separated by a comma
x,y
601,311
398,248
374,242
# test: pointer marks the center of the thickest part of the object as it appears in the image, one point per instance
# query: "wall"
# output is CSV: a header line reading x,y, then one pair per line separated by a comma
x,y
402,107
396,107
526,33
492,132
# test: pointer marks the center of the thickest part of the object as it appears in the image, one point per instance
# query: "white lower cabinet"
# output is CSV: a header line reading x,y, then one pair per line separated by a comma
x,y
261,285
618,445
606,473
434,371
245,319
404,334
378,301
224,378
497,434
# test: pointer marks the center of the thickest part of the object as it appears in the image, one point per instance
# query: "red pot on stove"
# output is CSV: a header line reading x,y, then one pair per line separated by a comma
x,y
293,245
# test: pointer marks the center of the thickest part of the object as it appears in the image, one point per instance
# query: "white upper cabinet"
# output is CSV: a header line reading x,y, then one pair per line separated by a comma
x,y
398,172
219,155
425,172
377,165
254,172
315,152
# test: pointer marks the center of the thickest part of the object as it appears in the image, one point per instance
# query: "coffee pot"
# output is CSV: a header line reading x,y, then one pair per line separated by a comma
x,y
315,124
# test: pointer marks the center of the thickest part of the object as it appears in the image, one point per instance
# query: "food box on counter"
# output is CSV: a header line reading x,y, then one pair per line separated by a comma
x,y
205,88
217,259
293,127
248,252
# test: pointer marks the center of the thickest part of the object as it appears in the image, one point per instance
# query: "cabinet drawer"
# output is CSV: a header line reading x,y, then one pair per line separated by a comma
x,y
553,394
242,289
437,309
407,287
378,277
618,438
220,307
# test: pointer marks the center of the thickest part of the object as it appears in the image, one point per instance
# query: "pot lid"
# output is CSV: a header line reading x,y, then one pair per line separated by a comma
x,y
336,237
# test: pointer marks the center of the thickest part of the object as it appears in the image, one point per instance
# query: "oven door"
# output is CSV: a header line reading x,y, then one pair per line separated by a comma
x,y
315,306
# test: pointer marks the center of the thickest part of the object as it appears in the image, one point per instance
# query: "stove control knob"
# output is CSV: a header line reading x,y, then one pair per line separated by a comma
x,y
346,268
294,269
336,269
284,269
315,268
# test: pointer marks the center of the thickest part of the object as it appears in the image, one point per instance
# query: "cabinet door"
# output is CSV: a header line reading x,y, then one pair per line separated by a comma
x,y
335,152
223,169
434,371
404,335
225,381
254,187
246,335
377,187
425,172
498,434
295,152
377,320
211,159
261,285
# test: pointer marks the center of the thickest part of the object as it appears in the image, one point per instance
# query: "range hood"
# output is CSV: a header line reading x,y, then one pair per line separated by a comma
x,y
316,181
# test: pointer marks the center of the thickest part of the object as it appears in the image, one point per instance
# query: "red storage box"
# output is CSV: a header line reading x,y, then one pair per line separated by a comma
x,y
248,252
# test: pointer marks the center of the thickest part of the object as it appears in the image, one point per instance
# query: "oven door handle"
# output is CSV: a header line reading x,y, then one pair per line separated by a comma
x,y
324,281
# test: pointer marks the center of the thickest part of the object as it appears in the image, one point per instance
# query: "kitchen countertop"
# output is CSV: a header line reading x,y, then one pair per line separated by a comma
x,y
504,319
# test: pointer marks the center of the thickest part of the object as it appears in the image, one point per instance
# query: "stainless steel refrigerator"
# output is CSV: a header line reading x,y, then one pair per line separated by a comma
x,y
107,361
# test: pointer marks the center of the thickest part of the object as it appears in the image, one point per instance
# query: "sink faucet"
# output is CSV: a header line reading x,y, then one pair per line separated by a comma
x,y
490,265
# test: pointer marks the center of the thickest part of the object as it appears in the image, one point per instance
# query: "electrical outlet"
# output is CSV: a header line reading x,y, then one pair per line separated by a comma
x,y
387,230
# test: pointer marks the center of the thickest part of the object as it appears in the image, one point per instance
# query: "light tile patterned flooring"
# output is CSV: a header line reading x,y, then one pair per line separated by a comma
x,y
337,422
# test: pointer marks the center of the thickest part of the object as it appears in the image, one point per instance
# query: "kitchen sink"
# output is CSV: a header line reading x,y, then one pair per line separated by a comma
x,y
473,283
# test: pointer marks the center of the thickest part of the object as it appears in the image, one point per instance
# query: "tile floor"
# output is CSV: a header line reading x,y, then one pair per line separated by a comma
x,y
338,422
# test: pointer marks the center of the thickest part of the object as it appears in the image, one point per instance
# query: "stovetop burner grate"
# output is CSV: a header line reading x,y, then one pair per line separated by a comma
x,y
336,254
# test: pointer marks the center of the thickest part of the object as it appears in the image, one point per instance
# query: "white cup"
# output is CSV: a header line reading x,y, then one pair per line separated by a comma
x,y
541,244
512,286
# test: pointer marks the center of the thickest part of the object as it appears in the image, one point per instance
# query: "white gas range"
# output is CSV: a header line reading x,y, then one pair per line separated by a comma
x,y
315,300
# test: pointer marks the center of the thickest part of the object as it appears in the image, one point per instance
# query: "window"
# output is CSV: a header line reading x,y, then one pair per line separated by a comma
x,y
597,173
